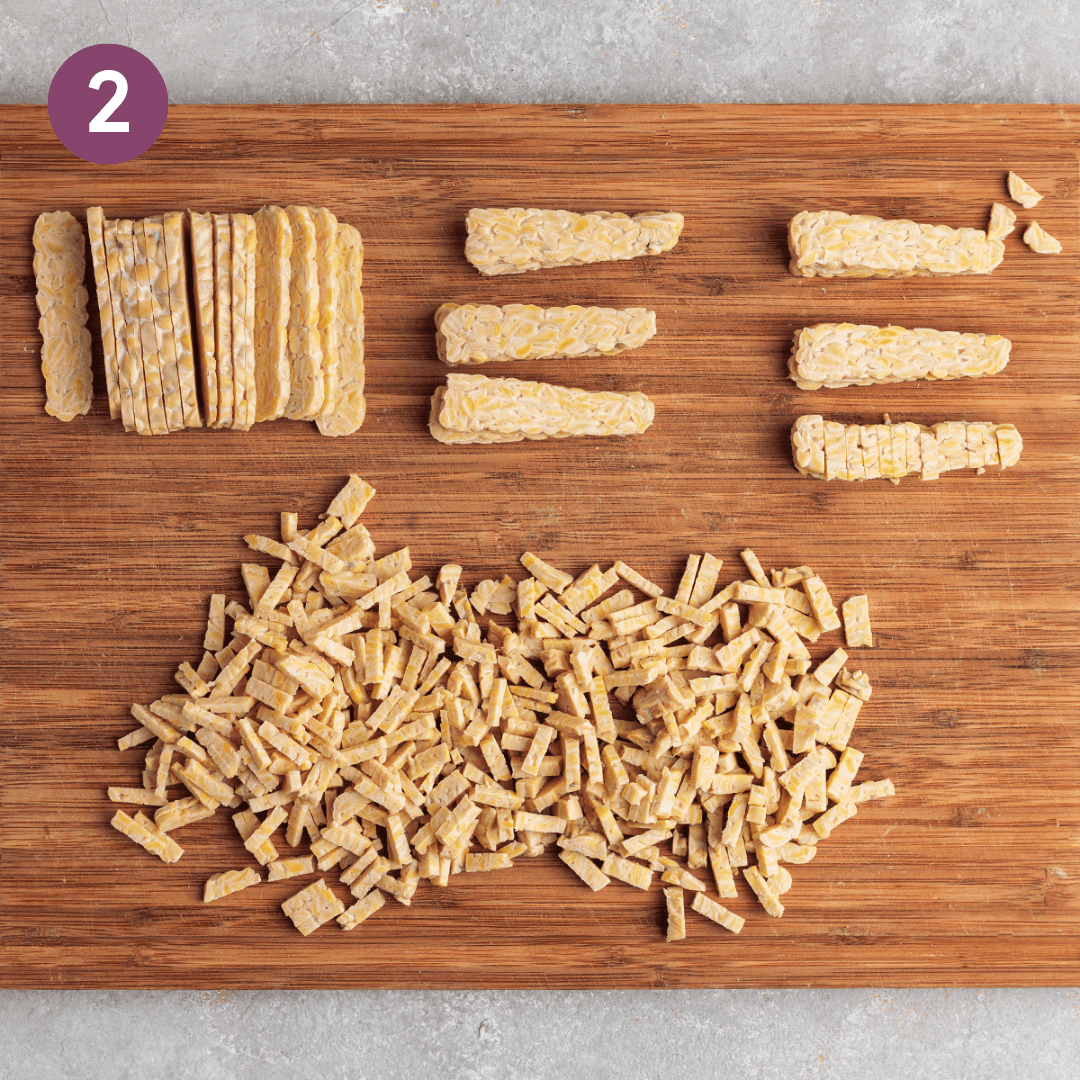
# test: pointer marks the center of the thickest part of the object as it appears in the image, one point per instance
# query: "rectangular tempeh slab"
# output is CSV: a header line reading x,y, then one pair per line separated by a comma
x,y
59,268
515,240
832,451
830,243
474,408
843,354
478,333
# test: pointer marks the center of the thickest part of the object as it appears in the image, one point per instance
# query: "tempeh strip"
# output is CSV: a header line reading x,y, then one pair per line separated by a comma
x,y
223,319
151,358
273,251
308,387
512,407
515,240
328,270
843,354
351,407
176,270
59,269
119,323
153,230
243,353
831,243
202,251
478,333
133,339
95,227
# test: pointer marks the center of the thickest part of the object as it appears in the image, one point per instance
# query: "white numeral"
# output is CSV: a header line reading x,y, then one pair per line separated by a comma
x,y
101,122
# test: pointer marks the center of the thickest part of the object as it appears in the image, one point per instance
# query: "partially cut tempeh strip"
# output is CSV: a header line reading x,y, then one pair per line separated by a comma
x,y
176,268
308,387
350,407
157,268
95,227
125,235
845,354
474,406
948,445
515,240
273,253
478,333
831,243
202,258
59,269
223,319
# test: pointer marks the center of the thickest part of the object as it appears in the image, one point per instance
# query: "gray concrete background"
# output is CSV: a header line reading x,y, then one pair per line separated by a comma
x,y
382,51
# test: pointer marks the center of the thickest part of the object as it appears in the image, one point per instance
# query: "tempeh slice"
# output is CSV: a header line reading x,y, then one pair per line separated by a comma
x,y
478,333
328,270
948,445
243,327
153,230
59,269
515,240
308,387
351,407
223,319
119,322
476,405
831,243
95,227
151,358
133,338
202,252
176,269
273,252
844,354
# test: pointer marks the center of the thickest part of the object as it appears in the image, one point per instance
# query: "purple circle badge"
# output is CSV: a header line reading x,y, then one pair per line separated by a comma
x,y
108,104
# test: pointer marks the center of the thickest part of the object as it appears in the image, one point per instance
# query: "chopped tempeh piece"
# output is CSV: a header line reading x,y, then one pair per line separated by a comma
x,y
1041,241
856,612
1002,222
719,914
474,408
1022,192
843,354
676,917
362,909
478,333
831,243
59,269
632,873
228,882
515,240
310,908
288,868
142,831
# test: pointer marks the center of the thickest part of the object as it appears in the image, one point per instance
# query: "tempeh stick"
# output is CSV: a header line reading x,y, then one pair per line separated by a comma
x,y
515,240
95,227
830,243
478,333
843,354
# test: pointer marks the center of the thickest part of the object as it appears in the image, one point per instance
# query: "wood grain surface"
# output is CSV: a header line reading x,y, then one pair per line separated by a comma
x,y
112,543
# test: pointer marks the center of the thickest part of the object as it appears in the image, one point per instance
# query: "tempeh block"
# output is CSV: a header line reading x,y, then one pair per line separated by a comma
x,y
474,408
59,269
844,354
478,333
515,240
831,243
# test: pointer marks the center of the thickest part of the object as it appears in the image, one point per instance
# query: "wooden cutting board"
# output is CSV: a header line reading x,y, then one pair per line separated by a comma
x,y
112,543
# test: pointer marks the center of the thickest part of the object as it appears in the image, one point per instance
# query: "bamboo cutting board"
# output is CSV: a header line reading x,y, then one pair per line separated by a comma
x,y
112,543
